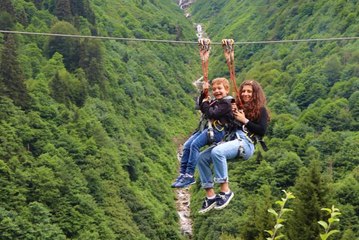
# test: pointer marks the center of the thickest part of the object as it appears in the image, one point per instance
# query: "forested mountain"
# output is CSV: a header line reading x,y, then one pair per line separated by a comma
x,y
90,127
313,95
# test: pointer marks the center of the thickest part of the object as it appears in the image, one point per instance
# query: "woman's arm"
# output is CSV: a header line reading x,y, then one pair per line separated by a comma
x,y
259,127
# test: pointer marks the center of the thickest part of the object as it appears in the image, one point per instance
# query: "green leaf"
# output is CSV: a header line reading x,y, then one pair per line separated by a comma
x,y
272,211
331,220
332,232
291,196
323,236
278,225
280,203
335,209
323,224
326,209
335,214
269,231
280,220
286,210
279,236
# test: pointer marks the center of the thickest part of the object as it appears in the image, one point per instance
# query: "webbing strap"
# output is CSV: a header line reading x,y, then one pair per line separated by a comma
x,y
228,48
204,49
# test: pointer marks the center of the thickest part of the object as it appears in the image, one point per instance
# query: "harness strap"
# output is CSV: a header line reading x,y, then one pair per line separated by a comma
x,y
210,133
228,48
204,49
218,125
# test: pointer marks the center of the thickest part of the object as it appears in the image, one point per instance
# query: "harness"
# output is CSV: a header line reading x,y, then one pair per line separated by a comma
x,y
251,137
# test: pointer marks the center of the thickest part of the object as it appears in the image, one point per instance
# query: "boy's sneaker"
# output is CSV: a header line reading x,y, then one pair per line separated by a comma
x,y
185,181
223,200
208,204
173,185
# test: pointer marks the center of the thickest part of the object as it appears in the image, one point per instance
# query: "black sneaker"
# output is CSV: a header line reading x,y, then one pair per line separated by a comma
x,y
208,204
223,200
178,179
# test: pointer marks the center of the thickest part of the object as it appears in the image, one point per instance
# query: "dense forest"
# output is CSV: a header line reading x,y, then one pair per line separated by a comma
x,y
313,96
90,127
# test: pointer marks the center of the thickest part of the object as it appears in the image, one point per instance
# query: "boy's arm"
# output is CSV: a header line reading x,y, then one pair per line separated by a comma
x,y
216,109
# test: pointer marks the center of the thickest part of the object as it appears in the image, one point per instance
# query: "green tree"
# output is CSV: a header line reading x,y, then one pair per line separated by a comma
x,y
332,69
63,10
83,8
354,109
7,15
42,226
256,218
311,191
68,47
91,61
11,76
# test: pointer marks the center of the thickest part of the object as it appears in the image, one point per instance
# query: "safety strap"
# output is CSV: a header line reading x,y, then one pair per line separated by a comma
x,y
228,48
204,49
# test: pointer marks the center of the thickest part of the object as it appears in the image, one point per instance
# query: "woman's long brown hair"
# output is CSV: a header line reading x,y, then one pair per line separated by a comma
x,y
253,108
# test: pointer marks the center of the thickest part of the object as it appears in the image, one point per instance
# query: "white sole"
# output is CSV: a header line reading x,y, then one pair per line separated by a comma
x,y
207,209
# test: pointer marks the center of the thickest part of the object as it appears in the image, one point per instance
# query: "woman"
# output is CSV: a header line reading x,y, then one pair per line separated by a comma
x,y
249,124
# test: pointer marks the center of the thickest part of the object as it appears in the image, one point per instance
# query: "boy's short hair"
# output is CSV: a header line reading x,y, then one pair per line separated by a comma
x,y
221,80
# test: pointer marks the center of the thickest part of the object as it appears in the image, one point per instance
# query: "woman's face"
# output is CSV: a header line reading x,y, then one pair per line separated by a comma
x,y
247,93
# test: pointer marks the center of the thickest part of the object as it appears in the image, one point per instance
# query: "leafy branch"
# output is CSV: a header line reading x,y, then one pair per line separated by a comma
x,y
279,216
334,212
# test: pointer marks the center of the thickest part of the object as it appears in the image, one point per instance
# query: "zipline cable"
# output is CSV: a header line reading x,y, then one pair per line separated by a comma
x,y
180,42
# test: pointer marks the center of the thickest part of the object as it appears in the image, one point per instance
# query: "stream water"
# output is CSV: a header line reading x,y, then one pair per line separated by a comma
x,y
183,199
183,196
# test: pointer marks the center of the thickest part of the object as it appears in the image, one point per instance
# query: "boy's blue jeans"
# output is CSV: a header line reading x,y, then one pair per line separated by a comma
x,y
192,147
218,155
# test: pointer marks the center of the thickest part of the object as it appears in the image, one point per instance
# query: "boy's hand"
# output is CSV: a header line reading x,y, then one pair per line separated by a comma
x,y
205,85
207,99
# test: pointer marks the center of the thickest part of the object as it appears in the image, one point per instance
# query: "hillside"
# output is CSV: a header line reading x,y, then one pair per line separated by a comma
x,y
90,126
313,89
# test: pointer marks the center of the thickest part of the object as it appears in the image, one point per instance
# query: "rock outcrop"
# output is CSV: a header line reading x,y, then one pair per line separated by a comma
x,y
183,4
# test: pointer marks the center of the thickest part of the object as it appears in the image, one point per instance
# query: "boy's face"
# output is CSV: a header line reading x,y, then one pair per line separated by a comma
x,y
219,91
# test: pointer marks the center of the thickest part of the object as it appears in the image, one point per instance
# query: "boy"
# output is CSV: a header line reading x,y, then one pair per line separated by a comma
x,y
218,113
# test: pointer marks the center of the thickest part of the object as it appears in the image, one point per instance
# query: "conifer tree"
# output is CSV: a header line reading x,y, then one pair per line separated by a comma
x,y
11,76
82,8
38,3
63,10
7,13
6,6
91,61
311,193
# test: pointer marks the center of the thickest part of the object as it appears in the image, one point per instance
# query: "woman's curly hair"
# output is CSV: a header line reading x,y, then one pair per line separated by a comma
x,y
253,108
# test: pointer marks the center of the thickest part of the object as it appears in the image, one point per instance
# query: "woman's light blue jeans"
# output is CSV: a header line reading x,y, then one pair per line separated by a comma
x,y
192,147
218,155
